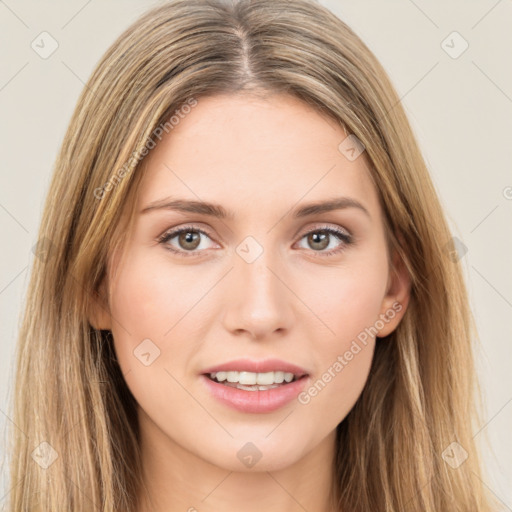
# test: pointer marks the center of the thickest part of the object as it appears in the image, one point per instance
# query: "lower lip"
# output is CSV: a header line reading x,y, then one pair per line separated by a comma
x,y
255,401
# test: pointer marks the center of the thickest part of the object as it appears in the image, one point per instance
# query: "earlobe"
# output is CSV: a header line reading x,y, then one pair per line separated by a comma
x,y
99,312
397,297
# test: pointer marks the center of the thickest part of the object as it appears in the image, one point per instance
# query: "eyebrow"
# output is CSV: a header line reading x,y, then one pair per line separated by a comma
x,y
218,211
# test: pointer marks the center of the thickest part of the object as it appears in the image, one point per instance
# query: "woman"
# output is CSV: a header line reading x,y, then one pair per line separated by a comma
x,y
245,297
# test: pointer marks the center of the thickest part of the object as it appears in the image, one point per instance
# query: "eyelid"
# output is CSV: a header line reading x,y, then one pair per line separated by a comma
x,y
325,226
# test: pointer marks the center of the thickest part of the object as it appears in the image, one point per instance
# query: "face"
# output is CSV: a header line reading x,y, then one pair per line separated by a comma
x,y
270,280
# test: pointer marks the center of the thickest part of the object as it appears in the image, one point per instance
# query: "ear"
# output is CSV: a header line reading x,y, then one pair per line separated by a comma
x,y
99,314
397,296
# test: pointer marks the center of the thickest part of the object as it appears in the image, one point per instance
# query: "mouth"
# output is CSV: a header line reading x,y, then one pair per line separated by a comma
x,y
251,381
256,393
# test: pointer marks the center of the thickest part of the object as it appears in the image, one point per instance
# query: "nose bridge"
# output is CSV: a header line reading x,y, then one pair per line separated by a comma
x,y
259,277
255,259
261,285
258,302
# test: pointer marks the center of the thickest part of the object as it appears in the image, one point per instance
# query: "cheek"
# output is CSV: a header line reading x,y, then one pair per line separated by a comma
x,y
149,297
144,308
149,305
343,356
348,299
349,303
156,310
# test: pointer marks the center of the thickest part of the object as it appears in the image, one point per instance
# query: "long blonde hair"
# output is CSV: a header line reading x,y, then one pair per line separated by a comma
x,y
75,440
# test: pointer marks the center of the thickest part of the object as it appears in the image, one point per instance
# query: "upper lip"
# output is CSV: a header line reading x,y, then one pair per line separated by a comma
x,y
249,365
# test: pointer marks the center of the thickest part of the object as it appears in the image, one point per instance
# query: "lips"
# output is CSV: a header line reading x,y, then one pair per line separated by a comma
x,y
254,401
263,366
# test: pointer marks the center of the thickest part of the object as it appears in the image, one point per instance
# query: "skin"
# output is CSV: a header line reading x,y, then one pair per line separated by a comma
x,y
259,158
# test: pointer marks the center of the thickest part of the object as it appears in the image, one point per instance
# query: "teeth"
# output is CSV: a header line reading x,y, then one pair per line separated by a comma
x,y
250,388
251,379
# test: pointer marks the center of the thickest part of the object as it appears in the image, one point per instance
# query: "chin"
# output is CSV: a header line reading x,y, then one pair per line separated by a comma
x,y
257,453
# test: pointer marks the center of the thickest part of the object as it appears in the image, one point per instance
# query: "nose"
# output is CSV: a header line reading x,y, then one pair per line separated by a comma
x,y
258,301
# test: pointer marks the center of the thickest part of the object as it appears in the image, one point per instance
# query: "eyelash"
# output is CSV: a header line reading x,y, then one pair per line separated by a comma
x,y
341,235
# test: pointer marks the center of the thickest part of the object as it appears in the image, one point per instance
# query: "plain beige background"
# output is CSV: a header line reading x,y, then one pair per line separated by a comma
x,y
459,102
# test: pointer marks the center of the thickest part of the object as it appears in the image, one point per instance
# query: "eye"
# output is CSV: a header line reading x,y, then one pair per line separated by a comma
x,y
188,239
321,238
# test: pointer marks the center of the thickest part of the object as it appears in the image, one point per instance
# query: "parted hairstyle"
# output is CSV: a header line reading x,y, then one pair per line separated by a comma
x,y
421,394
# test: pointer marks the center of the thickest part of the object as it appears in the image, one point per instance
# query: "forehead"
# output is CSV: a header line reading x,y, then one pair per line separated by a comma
x,y
250,153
